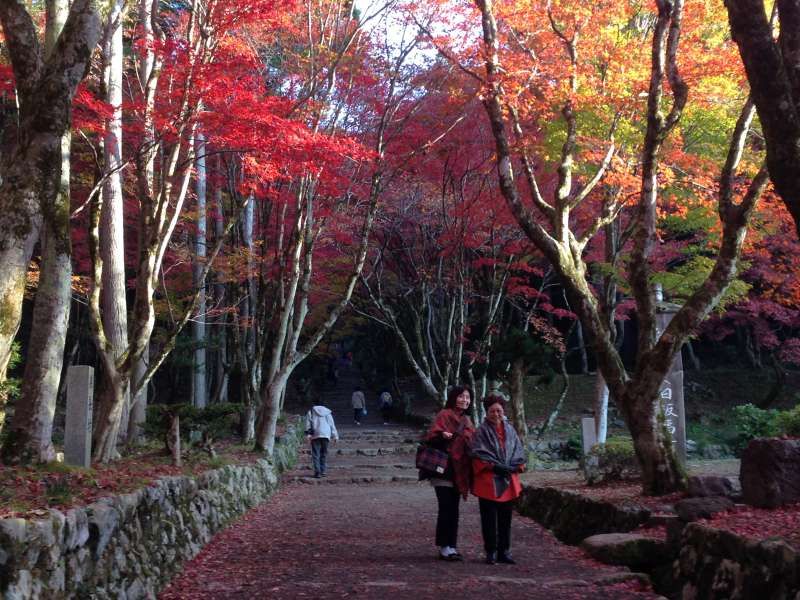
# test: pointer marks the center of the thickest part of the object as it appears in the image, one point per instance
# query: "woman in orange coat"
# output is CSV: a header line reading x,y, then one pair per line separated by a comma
x,y
498,455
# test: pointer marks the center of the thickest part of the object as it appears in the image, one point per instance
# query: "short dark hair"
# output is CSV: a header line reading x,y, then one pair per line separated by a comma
x,y
454,393
493,399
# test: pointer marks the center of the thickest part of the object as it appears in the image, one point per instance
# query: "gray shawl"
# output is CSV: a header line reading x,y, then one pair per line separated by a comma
x,y
486,447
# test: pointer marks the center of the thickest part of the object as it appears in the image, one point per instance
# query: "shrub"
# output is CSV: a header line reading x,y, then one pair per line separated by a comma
x,y
215,420
751,422
572,448
212,422
613,461
788,422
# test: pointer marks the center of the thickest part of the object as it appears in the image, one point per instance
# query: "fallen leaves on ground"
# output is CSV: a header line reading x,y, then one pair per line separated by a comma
x,y
761,523
747,521
30,491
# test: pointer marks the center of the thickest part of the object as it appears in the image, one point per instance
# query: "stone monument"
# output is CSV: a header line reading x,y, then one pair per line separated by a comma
x,y
671,391
588,434
78,426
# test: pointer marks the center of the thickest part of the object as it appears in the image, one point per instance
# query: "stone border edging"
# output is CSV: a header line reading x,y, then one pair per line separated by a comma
x,y
720,564
711,563
128,547
572,517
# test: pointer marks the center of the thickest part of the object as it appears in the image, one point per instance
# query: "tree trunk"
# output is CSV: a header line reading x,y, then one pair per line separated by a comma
x,y
551,418
29,169
772,66
661,471
247,424
107,419
161,198
175,440
518,398
221,371
138,413
267,422
32,429
476,400
582,349
112,232
199,324
600,409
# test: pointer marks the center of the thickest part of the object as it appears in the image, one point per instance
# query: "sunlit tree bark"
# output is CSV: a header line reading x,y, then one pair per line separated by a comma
x,y
34,204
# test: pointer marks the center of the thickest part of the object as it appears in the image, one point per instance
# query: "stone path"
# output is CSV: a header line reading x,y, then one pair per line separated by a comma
x,y
366,531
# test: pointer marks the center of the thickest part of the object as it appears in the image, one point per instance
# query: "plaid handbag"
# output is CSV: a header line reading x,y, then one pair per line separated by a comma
x,y
431,459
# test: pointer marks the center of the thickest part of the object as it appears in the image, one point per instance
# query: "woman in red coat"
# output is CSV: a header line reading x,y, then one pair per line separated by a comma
x,y
498,455
451,432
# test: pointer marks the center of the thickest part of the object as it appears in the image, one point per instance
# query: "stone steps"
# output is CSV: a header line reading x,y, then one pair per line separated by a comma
x,y
382,440
355,479
370,453
344,464
365,451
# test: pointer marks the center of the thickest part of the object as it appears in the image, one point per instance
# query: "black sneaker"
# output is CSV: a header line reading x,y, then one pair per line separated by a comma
x,y
506,559
491,558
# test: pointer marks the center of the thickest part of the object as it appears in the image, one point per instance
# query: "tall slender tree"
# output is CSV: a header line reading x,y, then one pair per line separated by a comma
x,y
200,395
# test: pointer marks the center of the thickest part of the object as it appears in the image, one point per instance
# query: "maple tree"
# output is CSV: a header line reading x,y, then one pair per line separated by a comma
x,y
336,36
170,100
470,175
521,59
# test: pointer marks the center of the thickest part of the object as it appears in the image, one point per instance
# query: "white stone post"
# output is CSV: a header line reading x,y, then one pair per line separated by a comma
x,y
78,427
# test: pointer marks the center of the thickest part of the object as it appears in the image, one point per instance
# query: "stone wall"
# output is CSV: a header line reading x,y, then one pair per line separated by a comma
x,y
711,563
714,563
129,546
572,517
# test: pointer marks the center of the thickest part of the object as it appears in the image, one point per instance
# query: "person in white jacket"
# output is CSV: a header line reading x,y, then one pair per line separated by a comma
x,y
320,429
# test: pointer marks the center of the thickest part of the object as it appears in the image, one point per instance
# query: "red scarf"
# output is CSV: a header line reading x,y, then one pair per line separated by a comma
x,y
460,425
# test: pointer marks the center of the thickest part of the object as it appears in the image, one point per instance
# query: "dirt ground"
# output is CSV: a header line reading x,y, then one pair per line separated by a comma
x,y
375,541
572,476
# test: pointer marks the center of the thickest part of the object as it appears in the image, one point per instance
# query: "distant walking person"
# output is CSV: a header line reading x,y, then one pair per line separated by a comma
x,y
359,403
451,432
498,457
386,405
320,429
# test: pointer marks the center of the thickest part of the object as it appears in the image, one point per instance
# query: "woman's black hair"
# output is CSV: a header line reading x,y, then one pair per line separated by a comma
x,y
493,399
454,393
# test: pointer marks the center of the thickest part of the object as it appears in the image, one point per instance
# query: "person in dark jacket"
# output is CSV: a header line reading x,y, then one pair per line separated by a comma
x,y
451,432
498,455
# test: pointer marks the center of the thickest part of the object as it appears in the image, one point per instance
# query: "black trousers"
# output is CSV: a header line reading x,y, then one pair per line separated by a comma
x,y
447,519
495,525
